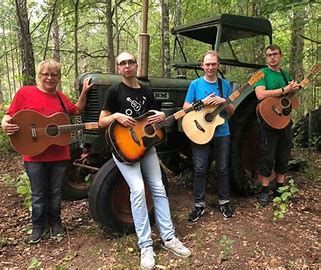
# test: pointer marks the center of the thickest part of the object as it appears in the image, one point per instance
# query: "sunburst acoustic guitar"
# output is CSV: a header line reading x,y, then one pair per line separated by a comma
x,y
131,143
275,112
37,132
199,126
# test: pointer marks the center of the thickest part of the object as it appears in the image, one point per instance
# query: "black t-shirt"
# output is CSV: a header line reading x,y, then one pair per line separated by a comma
x,y
130,101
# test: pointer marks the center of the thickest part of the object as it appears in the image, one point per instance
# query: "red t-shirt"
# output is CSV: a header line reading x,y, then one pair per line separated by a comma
x,y
31,98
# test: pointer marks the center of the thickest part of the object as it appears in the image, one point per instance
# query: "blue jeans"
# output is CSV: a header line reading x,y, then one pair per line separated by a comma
x,y
46,180
147,169
221,148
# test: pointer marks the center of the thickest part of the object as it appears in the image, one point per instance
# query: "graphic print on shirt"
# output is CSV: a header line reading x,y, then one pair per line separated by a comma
x,y
135,105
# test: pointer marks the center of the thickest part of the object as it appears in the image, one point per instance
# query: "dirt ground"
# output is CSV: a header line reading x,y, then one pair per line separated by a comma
x,y
254,239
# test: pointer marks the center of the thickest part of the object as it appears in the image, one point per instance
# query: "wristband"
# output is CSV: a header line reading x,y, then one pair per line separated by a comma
x,y
283,91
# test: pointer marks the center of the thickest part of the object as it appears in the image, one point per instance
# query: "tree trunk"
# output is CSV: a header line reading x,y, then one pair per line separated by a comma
x,y
109,32
178,21
6,60
76,3
56,40
25,43
166,67
297,45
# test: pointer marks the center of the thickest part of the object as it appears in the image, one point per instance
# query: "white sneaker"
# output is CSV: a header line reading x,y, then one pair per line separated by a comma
x,y
147,260
177,247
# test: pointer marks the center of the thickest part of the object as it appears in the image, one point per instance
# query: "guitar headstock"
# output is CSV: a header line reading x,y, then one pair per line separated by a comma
x,y
198,105
256,77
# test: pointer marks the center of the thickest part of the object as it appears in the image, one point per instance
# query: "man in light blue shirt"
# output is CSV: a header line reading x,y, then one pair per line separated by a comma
x,y
213,91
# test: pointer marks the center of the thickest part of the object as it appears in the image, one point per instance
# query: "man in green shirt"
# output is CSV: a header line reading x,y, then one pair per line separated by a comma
x,y
275,144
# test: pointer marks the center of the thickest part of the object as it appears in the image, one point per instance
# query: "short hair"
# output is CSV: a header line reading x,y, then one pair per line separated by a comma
x,y
212,53
123,53
273,47
50,64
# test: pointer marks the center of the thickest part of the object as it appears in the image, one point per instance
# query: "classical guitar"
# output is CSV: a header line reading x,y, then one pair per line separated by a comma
x,y
37,132
131,143
275,112
200,126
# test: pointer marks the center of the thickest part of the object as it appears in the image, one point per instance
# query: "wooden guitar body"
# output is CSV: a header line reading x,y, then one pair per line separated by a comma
x,y
37,132
130,144
199,126
275,112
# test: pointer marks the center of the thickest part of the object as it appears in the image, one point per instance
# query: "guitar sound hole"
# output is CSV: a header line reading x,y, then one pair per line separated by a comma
x,y
285,103
208,117
52,130
149,130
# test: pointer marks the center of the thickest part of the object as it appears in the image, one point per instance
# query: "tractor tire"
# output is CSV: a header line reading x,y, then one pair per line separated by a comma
x,y
109,201
244,152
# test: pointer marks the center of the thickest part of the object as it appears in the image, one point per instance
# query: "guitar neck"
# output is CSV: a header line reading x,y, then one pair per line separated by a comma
x,y
69,128
230,99
168,120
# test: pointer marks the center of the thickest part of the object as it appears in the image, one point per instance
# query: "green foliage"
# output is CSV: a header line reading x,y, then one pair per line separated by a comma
x,y
280,204
3,241
226,246
34,264
24,188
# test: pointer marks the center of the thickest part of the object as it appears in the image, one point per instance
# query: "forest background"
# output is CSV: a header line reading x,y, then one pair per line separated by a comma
x,y
86,35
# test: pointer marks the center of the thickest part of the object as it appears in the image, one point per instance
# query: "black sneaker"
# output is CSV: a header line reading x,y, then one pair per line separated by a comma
x,y
36,235
226,210
57,230
196,214
263,199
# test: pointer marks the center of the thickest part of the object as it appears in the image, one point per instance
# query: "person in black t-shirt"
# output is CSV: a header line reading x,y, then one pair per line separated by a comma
x,y
123,103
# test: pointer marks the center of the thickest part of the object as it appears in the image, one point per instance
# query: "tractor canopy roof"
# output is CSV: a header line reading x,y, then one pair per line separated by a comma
x,y
230,31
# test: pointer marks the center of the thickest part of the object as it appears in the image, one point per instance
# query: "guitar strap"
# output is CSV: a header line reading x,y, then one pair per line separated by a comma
x,y
284,78
62,104
220,87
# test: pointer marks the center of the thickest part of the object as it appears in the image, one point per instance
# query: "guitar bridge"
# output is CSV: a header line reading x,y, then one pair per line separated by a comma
x,y
134,136
199,127
33,132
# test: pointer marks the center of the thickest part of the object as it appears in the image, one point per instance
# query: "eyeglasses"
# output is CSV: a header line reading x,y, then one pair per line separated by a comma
x,y
272,54
52,75
127,62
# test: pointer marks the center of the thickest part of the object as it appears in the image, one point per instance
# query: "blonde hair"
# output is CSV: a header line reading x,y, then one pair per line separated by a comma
x,y
212,53
50,64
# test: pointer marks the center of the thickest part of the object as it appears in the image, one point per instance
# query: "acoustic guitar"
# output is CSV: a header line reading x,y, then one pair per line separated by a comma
x,y
200,126
131,143
37,132
275,112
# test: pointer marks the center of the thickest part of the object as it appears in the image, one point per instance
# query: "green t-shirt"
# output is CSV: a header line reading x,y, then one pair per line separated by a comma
x,y
273,79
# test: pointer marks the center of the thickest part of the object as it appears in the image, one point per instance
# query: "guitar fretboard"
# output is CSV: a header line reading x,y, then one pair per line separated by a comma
x,y
229,100
168,120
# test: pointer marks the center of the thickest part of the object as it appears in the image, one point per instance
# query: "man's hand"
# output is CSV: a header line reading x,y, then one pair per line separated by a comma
x,y
124,119
213,100
7,127
157,117
291,87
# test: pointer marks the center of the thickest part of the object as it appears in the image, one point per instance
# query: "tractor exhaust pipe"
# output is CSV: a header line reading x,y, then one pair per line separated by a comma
x,y
143,45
